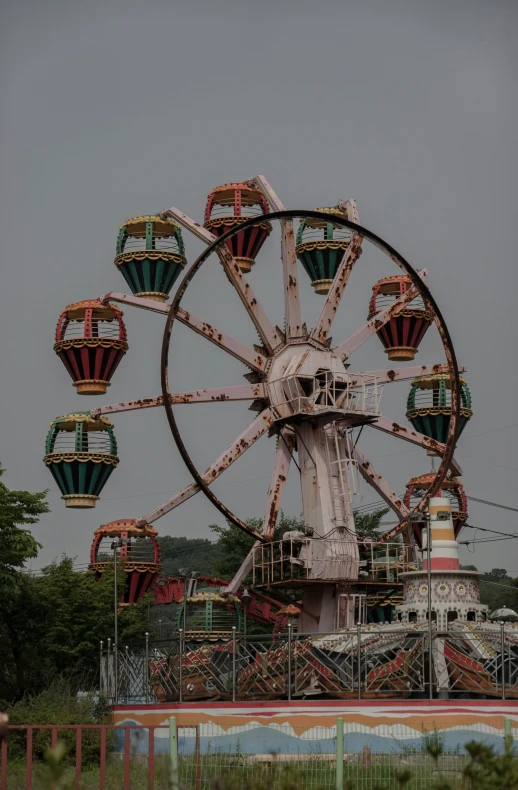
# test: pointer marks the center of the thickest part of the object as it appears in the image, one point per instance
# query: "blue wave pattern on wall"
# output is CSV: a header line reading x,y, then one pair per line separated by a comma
x,y
270,740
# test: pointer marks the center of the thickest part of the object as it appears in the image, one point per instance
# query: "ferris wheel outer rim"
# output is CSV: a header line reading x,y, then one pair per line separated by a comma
x,y
424,292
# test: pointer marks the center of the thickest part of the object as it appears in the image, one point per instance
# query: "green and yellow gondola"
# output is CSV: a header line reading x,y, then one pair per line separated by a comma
x,y
150,255
321,246
81,453
429,406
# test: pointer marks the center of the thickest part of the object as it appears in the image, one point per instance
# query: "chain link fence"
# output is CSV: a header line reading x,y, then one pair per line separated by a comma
x,y
217,754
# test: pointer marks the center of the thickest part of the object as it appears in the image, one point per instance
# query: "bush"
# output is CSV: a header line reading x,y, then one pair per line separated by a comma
x,y
58,704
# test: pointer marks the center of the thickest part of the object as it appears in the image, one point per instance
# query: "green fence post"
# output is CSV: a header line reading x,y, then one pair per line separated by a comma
x,y
339,753
508,734
173,747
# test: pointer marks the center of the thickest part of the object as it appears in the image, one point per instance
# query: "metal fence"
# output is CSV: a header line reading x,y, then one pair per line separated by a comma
x,y
102,756
201,757
388,662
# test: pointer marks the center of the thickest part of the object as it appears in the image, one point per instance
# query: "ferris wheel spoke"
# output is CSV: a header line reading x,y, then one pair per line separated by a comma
x,y
292,313
354,341
131,405
136,301
400,374
253,359
220,394
385,491
188,492
244,441
414,437
281,467
380,485
327,314
270,337
215,395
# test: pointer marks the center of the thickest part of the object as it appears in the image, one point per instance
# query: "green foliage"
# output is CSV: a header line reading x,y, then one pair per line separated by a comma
x,y
367,524
55,761
198,554
17,545
481,769
57,704
52,625
488,771
234,546
494,595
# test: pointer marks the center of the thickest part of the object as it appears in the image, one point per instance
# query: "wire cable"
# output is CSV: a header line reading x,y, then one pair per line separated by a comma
x,y
495,531
484,433
491,463
493,504
484,540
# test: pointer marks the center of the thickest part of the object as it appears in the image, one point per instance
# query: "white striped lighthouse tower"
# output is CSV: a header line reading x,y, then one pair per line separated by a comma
x,y
444,551
455,592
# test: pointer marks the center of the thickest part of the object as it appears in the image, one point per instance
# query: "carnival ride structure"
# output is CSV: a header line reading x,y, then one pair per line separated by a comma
x,y
314,406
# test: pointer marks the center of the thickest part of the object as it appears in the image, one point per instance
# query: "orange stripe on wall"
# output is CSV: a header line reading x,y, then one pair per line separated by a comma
x,y
302,723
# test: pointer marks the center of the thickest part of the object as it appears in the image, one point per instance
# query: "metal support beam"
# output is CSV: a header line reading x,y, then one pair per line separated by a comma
x,y
281,466
285,447
247,355
380,485
216,395
267,332
402,374
323,325
274,201
244,441
292,313
414,437
136,301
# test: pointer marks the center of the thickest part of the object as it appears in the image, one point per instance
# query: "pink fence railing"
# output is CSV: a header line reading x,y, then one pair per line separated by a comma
x,y
124,753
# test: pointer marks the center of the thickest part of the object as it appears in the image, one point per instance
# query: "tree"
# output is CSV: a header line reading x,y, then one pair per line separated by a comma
x,y
196,554
52,625
497,589
17,545
367,524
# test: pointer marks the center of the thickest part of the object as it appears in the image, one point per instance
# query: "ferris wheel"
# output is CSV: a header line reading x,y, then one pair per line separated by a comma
x,y
310,401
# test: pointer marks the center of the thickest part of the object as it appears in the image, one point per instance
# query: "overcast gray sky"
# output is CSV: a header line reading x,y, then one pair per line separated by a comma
x,y
120,108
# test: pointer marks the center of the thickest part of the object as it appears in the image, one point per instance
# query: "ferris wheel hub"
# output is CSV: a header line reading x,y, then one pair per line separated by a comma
x,y
304,380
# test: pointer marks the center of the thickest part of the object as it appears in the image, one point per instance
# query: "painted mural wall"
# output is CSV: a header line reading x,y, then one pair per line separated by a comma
x,y
310,727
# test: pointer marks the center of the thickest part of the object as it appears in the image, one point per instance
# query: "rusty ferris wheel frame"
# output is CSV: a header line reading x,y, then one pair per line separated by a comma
x,y
424,292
